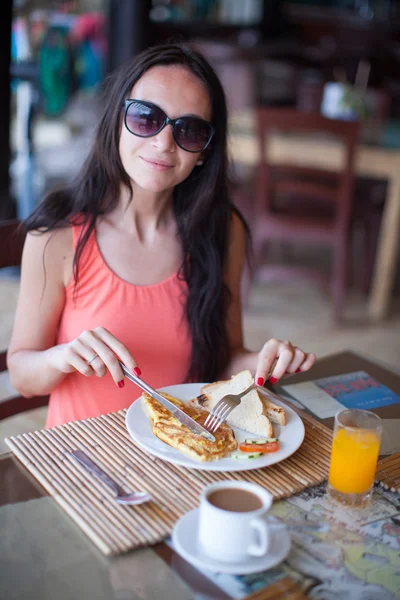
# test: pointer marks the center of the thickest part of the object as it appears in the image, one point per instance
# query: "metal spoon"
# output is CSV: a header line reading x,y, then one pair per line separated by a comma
x,y
121,496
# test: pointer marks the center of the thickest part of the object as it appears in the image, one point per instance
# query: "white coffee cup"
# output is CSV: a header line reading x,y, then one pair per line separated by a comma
x,y
227,530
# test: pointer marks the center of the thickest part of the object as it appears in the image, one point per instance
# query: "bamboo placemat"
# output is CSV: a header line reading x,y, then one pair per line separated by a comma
x,y
388,472
175,490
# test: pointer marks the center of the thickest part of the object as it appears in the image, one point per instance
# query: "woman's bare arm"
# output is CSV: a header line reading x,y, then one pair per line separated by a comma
x,y
276,358
46,266
241,358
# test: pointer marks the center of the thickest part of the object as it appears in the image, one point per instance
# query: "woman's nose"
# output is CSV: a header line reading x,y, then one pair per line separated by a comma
x,y
164,140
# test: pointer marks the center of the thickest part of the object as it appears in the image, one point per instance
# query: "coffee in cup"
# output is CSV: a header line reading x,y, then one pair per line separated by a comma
x,y
233,520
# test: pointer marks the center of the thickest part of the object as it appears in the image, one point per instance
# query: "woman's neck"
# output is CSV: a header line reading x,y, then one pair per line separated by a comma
x,y
145,214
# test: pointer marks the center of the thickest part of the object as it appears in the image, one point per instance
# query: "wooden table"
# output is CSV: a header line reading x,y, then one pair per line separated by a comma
x,y
43,554
371,160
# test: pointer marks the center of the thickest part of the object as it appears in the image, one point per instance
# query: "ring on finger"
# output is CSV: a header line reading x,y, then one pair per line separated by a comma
x,y
92,359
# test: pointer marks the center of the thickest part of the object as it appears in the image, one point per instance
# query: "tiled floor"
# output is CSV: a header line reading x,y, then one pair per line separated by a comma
x,y
300,312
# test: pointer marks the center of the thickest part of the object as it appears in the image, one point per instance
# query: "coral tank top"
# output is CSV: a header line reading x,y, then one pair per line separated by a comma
x,y
149,320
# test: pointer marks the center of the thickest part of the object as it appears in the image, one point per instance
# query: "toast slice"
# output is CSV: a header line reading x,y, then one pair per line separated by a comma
x,y
275,413
251,415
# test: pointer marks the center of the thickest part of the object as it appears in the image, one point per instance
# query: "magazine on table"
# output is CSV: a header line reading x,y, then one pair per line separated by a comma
x,y
325,397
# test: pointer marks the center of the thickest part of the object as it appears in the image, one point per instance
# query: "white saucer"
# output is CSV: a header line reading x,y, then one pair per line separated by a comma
x,y
184,539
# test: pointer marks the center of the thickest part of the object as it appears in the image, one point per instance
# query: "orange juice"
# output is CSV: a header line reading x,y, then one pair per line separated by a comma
x,y
353,460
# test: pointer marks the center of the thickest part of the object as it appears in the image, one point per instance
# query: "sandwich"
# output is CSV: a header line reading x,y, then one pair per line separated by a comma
x,y
255,414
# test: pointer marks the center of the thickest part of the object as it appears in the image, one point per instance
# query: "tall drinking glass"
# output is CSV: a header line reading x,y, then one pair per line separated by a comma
x,y
355,449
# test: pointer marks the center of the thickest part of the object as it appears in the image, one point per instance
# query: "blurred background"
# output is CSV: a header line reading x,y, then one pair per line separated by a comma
x,y
324,280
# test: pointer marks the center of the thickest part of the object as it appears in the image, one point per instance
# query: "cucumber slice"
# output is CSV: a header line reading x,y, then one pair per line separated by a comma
x,y
244,455
260,441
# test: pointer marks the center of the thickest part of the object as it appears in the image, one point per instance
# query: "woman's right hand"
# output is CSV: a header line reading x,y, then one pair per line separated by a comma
x,y
94,352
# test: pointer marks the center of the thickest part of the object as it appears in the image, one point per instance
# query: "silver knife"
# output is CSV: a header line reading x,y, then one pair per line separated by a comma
x,y
175,410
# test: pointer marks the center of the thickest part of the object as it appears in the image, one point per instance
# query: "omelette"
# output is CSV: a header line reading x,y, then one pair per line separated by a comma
x,y
171,431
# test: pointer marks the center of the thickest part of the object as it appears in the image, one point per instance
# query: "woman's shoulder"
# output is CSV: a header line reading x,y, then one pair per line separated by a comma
x,y
52,240
60,239
51,248
236,249
237,229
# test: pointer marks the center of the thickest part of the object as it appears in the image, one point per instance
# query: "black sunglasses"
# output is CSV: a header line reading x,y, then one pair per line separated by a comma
x,y
145,119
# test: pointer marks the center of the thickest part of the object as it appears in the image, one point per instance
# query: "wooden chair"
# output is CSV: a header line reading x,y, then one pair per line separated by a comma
x,y
369,192
304,204
12,237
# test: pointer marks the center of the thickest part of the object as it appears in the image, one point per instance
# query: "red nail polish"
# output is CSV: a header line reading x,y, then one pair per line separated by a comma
x,y
137,371
273,380
298,371
260,381
121,383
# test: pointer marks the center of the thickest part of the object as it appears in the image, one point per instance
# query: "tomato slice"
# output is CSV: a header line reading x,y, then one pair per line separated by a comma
x,y
268,447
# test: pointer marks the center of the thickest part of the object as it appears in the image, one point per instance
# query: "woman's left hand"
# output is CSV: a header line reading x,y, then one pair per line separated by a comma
x,y
289,359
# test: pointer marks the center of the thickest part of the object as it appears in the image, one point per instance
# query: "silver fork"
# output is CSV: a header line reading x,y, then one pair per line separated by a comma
x,y
223,409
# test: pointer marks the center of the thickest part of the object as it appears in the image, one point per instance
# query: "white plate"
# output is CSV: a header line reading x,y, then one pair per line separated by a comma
x,y
139,426
184,540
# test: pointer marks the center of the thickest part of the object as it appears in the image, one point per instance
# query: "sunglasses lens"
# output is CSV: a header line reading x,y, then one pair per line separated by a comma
x,y
192,134
143,120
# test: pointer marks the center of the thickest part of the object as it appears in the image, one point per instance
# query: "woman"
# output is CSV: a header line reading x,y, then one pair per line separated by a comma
x,y
140,260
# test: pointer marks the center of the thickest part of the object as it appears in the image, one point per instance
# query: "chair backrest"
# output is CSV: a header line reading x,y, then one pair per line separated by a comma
x,y
335,187
12,238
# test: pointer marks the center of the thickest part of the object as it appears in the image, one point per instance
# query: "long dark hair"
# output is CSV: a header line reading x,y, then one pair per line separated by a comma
x,y
202,205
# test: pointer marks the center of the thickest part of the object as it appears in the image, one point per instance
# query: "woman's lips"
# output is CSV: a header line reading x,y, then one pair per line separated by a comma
x,y
157,165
